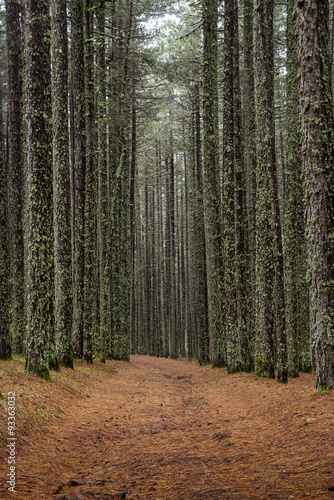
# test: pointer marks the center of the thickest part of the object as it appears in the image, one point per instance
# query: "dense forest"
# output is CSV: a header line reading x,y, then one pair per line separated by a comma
x,y
166,176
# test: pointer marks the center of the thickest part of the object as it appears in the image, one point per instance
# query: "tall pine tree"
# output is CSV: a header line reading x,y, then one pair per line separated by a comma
x,y
39,227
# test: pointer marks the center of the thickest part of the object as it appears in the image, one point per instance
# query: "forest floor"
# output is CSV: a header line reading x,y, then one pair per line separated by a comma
x,y
165,429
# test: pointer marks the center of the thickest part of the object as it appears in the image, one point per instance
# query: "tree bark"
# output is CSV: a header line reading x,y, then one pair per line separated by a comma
x,y
264,357
39,229
250,173
90,187
61,185
78,168
212,209
15,171
5,336
297,317
229,239
316,112
103,215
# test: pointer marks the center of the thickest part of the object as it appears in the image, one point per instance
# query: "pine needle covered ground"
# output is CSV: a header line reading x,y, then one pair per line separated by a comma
x,y
166,429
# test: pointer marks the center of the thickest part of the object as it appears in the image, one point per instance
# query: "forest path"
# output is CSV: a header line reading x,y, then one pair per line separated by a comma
x,y
169,429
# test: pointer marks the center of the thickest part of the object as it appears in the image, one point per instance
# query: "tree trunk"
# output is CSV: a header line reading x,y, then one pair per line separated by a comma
x,y
5,336
213,225
297,320
39,230
230,324
264,356
15,170
201,307
250,171
240,208
61,185
315,107
103,215
171,242
78,168
133,223
90,187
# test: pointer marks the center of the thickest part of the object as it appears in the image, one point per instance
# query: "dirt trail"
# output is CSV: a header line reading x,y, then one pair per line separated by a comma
x,y
165,429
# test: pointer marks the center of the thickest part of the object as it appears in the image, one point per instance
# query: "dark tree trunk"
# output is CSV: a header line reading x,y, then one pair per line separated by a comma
x,y
78,169
240,207
231,335
264,356
61,185
167,281
171,242
39,230
213,225
279,296
201,306
5,336
316,112
90,187
15,171
297,317
133,225
250,173
103,215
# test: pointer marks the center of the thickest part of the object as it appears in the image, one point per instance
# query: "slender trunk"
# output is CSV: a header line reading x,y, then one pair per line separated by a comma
x,y
240,207
172,304
230,324
133,224
78,169
297,320
39,230
15,171
264,355
89,278
250,171
212,210
103,216
61,185
315,107
5,336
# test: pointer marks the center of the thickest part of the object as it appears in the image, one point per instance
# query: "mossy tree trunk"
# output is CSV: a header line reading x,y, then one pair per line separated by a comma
x,y
61,185
316,112
182,274
39,228
78,171
90,186
297,318
103,215
120,218
267,43
5,336
159,263
167,280
194,316
133,335
15,171
241,276
264,355
171,243
229,240
153,303
200,308
148,276
250,173
213,224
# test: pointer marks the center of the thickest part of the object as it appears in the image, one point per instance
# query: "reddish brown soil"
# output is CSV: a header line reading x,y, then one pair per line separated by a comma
x,y
164,429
